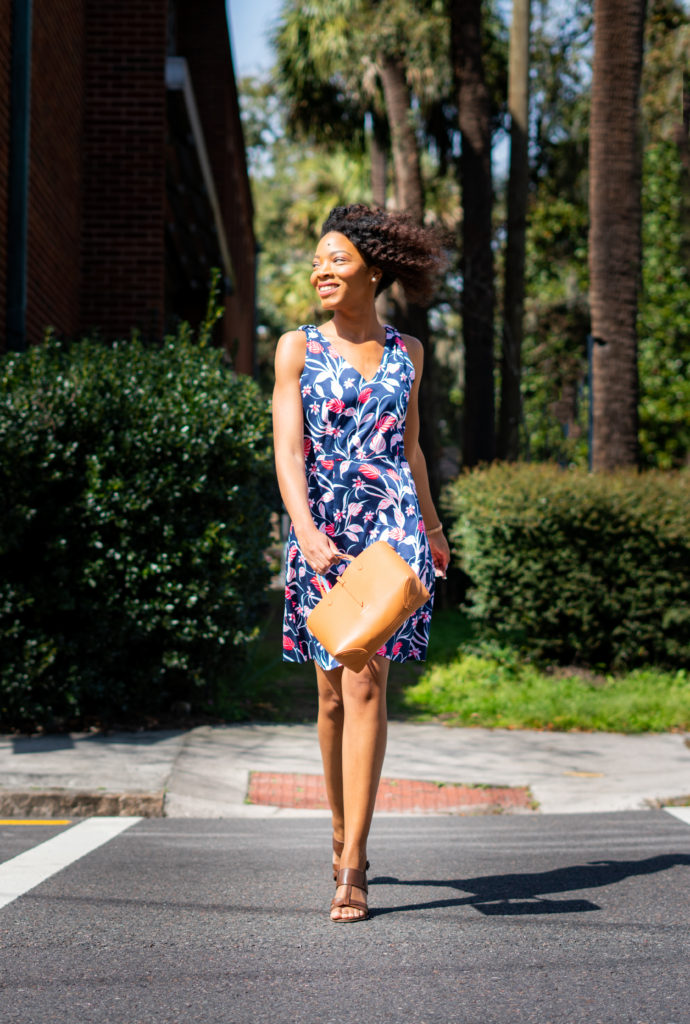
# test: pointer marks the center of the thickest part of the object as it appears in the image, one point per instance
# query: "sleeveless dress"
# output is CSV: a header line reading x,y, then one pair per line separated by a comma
x,y
360,486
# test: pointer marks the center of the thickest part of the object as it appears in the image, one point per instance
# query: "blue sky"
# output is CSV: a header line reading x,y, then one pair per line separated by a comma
x,y
250,21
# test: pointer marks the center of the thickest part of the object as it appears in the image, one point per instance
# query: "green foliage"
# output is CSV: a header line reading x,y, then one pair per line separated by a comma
x,y
556,327
322,98
667,43
560,61
328,53
574,568
664,320
556,320
294,188
508,693
136,489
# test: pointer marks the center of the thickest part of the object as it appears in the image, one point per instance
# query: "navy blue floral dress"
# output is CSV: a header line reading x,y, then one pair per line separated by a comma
x,y
360,486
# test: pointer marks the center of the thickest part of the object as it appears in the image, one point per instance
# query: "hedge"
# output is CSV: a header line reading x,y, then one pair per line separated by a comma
x,y
577,568
136,486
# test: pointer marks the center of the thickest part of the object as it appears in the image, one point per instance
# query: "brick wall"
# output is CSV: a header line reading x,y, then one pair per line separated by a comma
x,y
202,37
57,66
96,243
4,149
124,166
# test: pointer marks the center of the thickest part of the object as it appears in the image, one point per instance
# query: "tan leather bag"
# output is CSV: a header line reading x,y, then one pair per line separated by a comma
x,y
373,597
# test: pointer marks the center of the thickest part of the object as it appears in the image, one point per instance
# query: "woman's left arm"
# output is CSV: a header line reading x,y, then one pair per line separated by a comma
x,y
413,453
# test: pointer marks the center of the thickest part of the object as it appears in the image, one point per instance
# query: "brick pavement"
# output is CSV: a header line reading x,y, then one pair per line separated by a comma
x,y
410,796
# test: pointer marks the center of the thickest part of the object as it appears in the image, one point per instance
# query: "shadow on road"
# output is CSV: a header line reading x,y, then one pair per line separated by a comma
x,y
506,895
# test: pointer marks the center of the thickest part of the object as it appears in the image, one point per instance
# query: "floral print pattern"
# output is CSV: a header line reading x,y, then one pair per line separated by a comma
x,y
360,486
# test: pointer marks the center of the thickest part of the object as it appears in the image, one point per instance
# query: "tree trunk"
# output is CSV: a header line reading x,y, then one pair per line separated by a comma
x,y
682,138
479,440
409,196
518,184
409,193
379,165
615,226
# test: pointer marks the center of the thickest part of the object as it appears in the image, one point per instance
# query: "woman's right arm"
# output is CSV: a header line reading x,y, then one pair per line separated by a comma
x,y
288,437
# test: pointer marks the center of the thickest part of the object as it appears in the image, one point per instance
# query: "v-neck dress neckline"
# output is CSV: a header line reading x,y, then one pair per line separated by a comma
x,y
382,364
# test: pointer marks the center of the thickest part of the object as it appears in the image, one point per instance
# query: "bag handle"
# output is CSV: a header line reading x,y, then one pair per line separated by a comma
x,y
321,581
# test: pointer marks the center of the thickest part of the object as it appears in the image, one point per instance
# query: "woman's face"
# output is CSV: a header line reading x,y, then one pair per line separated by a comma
x,y
340,275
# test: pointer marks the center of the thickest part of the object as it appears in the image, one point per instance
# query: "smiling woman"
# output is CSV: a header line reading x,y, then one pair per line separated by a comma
x,y
351,472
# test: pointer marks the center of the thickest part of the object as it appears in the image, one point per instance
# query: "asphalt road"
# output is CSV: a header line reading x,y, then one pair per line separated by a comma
x,y
521,918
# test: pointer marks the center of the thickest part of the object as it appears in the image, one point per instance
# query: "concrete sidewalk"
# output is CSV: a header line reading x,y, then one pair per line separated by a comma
x,y
204,772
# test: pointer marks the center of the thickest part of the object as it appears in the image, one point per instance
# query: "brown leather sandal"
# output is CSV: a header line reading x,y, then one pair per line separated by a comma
x,y
350,877
338,848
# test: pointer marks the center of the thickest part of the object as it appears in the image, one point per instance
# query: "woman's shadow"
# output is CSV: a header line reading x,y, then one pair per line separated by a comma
x,y
506,895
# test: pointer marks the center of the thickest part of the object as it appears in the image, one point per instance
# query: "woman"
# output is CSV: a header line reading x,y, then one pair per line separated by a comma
x,y
351,471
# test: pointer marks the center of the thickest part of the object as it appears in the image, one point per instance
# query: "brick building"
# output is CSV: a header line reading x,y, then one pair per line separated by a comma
x,y
122,170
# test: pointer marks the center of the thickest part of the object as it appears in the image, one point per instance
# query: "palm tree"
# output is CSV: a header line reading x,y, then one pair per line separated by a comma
x,y
615,222
518,184
368,52
474,119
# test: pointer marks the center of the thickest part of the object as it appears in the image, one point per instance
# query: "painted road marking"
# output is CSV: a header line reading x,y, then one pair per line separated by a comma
x,y
680,812
29,869
35,821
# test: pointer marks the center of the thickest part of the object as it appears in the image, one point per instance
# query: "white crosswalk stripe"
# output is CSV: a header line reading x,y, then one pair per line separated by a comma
x,y
29,869
680,812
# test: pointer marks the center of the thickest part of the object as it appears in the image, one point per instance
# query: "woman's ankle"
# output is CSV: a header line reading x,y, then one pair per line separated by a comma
x,y
354,856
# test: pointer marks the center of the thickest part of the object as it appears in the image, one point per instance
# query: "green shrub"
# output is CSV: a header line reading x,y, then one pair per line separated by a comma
x,y
136,486
578,568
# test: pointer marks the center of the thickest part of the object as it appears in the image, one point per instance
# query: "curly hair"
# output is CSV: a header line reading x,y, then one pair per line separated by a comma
x,y
401,249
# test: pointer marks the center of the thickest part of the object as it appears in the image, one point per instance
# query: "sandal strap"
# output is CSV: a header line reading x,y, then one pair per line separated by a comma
x,y
341,901
353,876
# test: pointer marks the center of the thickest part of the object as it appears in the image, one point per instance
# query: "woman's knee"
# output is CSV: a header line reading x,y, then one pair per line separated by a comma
x,y
329,687
364,688
330,703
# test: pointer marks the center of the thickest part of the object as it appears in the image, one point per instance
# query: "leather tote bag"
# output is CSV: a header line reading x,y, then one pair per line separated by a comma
x,y
370,600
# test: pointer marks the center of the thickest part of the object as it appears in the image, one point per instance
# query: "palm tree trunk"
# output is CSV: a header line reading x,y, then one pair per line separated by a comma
x,y
409,196
479,434
615,225
379,164
409,193
518,184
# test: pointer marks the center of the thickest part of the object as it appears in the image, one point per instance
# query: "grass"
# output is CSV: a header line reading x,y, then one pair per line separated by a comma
x,y
475,683
466,681
481,691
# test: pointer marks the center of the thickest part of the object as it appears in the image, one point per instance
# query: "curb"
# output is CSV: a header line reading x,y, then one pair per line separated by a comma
x,y
56,803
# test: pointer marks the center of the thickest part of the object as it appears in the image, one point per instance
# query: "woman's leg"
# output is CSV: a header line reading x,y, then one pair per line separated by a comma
x,y
330,729
363,749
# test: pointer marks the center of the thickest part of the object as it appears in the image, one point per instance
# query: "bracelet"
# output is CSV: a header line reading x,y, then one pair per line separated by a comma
x,y
436,529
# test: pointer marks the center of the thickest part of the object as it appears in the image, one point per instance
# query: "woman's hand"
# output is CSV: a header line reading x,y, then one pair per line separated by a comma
x,y
440,552
318,549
